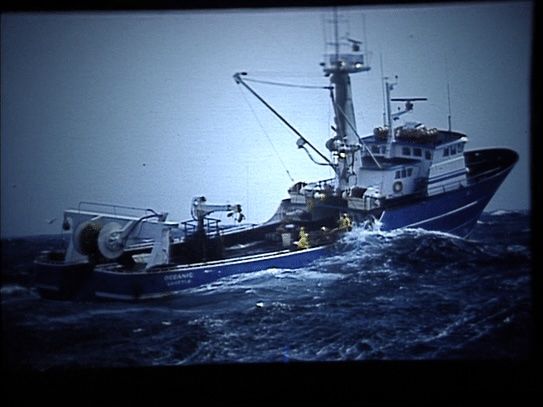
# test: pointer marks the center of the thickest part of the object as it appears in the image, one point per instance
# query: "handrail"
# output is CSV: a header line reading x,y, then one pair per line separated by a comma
x,y
211,226
114,207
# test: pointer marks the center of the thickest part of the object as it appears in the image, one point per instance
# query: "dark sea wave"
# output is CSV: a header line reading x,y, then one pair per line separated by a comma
x,y
403,295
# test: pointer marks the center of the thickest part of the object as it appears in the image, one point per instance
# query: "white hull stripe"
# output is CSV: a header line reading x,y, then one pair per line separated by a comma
x,y
443,177
217,263
443,215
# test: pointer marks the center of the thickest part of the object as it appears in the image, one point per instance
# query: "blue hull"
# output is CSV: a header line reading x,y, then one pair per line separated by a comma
x,y
454,212
457,211
109,282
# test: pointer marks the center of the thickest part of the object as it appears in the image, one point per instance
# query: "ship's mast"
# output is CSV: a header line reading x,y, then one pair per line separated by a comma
x,y
346,58
389,87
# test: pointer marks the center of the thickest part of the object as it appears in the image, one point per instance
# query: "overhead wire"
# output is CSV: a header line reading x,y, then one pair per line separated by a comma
x,y
288,85
239,80
267,135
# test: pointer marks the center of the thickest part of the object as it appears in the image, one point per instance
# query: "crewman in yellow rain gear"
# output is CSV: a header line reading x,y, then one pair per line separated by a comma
x,y
345,223
303,241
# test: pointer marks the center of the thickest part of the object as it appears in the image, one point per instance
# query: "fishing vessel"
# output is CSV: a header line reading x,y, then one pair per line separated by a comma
x,y
402,175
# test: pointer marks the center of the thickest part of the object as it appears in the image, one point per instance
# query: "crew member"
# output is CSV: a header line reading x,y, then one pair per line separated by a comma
x,y
345,223
303,241
326,235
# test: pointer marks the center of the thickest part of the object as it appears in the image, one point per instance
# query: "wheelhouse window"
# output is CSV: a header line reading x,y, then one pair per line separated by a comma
x,y
453,150
403,173
428,154
446,152
460,147
406,151
417,152
375,149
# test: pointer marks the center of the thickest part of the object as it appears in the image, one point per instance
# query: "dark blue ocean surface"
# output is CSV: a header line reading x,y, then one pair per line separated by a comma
x,y
402,295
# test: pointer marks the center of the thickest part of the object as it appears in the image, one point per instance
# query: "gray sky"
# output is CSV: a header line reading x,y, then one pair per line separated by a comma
x,y
141,109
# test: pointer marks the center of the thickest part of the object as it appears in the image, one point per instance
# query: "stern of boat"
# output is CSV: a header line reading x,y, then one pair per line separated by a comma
x,y
57,279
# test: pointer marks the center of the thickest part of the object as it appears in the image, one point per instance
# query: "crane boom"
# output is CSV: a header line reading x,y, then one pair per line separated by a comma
x,y
200,209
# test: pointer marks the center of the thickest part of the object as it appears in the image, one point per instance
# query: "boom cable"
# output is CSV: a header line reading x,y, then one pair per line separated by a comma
x,y
237,78
289,85
267,135
364,145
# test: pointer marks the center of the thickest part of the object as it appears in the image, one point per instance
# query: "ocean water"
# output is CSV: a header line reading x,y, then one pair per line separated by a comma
x,y
402,295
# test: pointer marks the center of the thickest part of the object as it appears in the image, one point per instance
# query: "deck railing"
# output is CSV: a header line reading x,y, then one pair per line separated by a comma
x,y
114,209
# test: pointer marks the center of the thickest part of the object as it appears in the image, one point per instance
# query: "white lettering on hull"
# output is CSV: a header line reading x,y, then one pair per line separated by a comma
x,y
177,279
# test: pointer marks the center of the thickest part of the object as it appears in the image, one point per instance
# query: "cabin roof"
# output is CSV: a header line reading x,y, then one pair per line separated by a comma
x,y
441,137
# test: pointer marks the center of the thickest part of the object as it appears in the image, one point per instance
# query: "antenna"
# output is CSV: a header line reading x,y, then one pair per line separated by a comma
x,y
383,91
336,34
448,93
449,100
324,34
389,87
365,38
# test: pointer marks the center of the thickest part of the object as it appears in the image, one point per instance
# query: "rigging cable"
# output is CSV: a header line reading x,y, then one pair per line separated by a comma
x,y
237,78
267,135
289,85
448,94
383,92
331,126
311,157
354,129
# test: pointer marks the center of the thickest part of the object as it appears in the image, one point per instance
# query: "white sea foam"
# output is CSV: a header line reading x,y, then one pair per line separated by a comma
x,y
501,212
10,290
